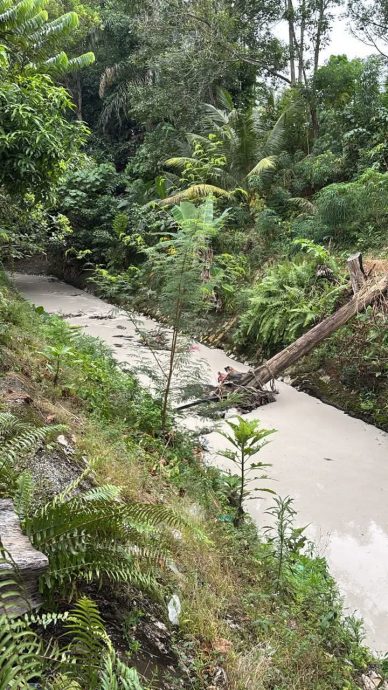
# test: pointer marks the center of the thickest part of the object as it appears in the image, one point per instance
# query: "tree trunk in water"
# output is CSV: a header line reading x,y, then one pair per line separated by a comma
x,y
301,347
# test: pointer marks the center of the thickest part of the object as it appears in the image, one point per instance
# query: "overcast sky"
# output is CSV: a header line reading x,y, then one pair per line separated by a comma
x,y
342,41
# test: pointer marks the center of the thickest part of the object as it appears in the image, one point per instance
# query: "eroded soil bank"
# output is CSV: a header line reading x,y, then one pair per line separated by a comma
x,y
334,466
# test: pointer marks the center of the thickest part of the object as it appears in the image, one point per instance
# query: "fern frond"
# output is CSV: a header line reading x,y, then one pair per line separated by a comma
x,y
96,536
91,658
116,675
16,441
86,628
105,492
8,422
25,441
22,497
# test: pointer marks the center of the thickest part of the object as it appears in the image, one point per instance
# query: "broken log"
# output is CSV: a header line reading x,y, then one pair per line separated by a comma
x,y
303,345
22,563
356,272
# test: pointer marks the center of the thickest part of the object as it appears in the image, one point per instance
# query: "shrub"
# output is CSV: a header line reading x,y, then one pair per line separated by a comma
x,y
290,298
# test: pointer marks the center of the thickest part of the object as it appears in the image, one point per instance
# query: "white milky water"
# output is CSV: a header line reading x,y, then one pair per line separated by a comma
x,y
335,467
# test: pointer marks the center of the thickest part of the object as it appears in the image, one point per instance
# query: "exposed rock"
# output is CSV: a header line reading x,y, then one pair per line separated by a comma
x,y
157,636
66,446
174,609
62,441
232,412
15,390
372,681
52,471
29,563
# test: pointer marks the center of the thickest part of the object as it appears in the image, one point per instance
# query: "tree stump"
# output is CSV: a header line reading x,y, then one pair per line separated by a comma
x,y
24,564
356,272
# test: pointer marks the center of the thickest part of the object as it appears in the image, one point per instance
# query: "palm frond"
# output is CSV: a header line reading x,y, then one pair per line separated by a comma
x,y
225,99
275,138
303,205
196,191
216,116
179,162
264,165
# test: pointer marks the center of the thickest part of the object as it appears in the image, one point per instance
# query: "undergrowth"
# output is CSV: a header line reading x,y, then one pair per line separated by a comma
x,y
249,619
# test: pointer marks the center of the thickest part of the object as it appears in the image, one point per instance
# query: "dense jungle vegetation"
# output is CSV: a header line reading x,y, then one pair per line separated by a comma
x,y
184,161
184,101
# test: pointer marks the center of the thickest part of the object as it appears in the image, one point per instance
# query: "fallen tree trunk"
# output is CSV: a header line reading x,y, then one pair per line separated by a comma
x,y
250,386
303,345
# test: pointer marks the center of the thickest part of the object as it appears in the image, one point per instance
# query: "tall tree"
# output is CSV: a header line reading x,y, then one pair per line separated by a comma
x,y
369,22
309,27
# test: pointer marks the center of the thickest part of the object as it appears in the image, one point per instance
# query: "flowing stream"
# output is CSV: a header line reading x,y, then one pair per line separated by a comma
x,y
335,467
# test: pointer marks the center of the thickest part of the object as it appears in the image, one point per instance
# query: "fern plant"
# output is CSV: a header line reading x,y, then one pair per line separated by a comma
x,y
87,660
90,642
289,299
95,536
19,646
18,440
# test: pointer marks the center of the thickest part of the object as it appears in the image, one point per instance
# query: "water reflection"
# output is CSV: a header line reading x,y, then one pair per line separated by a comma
x,y
358,560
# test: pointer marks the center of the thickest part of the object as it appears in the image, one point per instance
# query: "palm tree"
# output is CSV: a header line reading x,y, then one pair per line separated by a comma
x,y
246,148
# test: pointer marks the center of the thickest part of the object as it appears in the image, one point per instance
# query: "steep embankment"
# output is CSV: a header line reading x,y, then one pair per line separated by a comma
x,y
240,626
